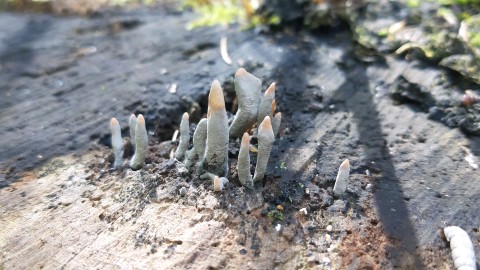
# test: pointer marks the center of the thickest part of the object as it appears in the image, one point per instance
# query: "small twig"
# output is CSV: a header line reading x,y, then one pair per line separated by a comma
x,y
224,51
175,135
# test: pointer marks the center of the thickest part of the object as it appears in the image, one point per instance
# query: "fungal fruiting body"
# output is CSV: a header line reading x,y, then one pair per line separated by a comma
x,y
342,178
132,124
265,143
200,138
463,253
141,144
211,137
190,158
265,108
219,183
248,89
243,164
117,143
184,137
216,152
274,107
277,120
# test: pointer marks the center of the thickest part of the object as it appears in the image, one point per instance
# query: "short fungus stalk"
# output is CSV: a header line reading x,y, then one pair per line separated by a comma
x,y
243,164
190,158
265,107
200,138
265,143
132,123
463,253
219,183
249,90
141,144
184,137
342,178
277,120
117,143
216,153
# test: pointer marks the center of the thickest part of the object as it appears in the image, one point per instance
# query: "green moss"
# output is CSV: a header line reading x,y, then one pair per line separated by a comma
x,y
225,12
473,26
413,3
364,37
274,20
275,215
216,13
458,2
383,32
475,40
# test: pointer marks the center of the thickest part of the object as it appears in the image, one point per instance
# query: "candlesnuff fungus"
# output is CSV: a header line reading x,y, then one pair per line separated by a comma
x,y
215,159
184,137
277,120
219,183
199,144
342,178
463,253
211,137
141,144
190,158
200,138
265,141
132,124
117,143
265,108
243,163
248,89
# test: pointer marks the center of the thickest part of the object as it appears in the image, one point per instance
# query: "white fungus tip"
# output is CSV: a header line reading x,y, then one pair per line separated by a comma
x,y
140,120
266,124
216,184
215,98
342,178
270,90
345,165
133,117
185,116
114,122
241,72
245,139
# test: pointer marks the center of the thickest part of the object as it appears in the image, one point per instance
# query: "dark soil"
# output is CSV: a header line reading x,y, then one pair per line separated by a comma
x,y
64,78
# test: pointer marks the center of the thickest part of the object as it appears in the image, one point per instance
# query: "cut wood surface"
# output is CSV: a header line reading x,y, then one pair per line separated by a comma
x,y
63,78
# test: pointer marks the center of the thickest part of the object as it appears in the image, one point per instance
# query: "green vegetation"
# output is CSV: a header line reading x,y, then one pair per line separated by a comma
x,y
218,12
275,215
459,2
473,24
413,3
416,3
